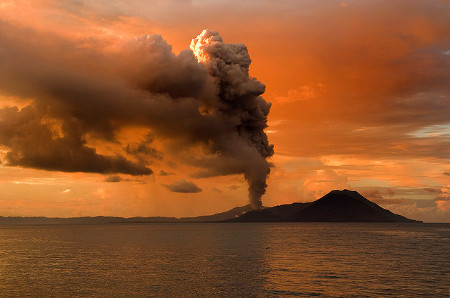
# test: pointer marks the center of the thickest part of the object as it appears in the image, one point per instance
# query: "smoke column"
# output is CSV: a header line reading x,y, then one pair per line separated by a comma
x,y
239,95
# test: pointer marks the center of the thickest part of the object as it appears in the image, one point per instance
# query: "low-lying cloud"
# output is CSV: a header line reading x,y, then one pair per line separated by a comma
x,y
183,186
113,178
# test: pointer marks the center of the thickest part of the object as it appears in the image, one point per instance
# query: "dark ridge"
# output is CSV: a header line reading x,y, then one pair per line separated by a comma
x,y
219,217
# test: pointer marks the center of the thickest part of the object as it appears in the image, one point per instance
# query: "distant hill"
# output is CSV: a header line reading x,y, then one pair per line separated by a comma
x,y
81,220
336,206
219,217
235,212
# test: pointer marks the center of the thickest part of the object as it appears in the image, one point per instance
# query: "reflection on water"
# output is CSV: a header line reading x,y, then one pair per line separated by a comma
x,y
270,259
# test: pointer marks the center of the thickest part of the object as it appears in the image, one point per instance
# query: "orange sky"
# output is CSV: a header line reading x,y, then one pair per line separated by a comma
x,y
359,92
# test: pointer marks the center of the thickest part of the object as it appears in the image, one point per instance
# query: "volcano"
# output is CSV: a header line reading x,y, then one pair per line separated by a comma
x,y
336,206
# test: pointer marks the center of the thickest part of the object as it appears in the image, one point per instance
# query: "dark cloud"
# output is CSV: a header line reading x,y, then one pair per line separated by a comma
x,y
390,191
377,196
447,173
373,195
113,178
183,186
233,187
33,144
163,173
143,151
420,203
385,196
432,190
205,100
443,197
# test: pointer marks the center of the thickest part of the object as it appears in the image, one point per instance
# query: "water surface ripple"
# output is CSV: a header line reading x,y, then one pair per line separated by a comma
x,y
239,259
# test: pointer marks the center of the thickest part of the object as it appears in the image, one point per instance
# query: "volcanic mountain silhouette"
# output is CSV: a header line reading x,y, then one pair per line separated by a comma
x,y
336,206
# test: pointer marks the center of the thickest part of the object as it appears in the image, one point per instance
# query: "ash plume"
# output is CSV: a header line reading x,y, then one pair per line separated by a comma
x,y
239,97
78,101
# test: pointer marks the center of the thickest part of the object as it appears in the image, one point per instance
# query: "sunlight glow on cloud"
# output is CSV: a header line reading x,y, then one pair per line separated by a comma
x,y
433,131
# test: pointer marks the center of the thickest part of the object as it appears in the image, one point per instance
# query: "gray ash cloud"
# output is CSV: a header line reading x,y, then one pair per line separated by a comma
x,y
203,97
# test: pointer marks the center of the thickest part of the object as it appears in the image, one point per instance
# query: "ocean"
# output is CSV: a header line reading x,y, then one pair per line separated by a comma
x,y
226,260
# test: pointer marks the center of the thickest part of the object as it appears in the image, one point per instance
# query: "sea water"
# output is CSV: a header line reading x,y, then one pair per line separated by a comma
x,y
226,259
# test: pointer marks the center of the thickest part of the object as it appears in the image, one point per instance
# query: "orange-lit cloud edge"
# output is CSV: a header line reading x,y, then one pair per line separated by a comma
x,y
360,100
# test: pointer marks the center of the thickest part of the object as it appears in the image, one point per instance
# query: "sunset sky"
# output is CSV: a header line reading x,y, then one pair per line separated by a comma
x,y
359,91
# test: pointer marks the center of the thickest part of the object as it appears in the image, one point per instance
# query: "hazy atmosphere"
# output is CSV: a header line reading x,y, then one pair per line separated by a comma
x,y
186,108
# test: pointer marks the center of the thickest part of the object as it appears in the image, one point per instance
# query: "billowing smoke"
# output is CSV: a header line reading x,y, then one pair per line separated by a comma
x,y
239,96
78,96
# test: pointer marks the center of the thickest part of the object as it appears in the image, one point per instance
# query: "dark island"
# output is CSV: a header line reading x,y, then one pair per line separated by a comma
x,y
336,206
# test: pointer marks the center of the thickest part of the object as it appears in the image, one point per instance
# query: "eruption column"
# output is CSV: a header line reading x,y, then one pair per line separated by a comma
x,y
239,96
